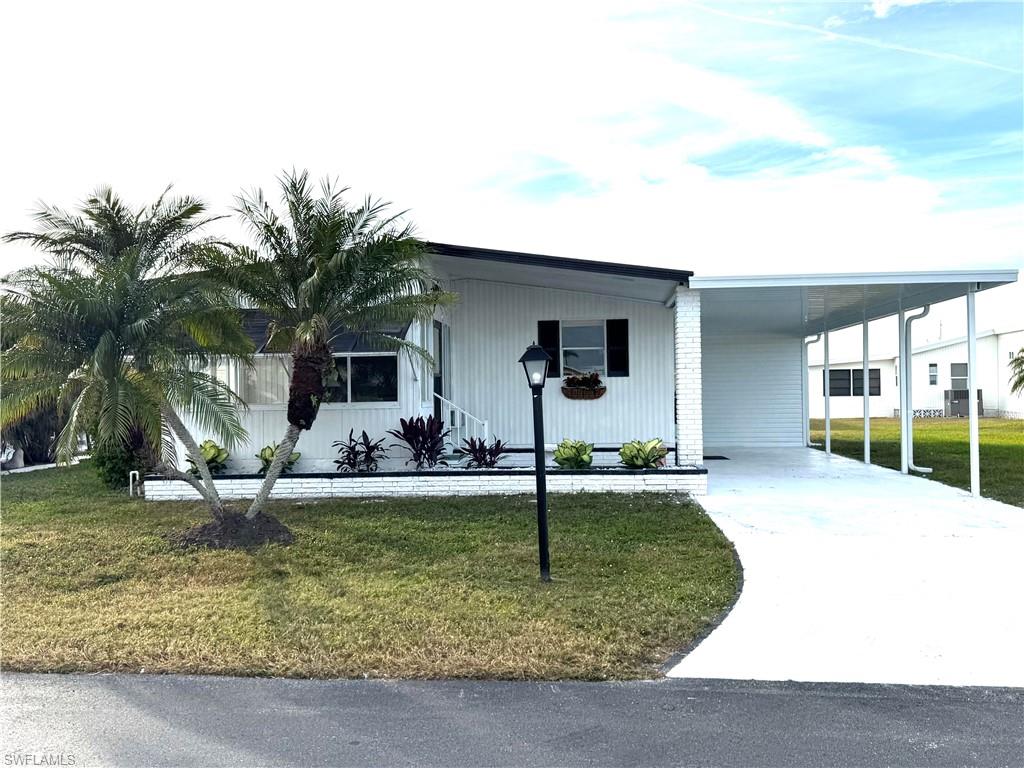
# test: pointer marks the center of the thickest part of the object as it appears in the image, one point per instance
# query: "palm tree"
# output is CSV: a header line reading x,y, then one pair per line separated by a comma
x,y
1017,372
114,333
322,267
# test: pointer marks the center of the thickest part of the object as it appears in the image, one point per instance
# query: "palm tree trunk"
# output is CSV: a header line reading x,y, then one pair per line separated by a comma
x,y
211,495
284,452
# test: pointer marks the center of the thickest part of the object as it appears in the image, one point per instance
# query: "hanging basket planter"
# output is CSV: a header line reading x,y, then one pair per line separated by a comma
x,y
584,393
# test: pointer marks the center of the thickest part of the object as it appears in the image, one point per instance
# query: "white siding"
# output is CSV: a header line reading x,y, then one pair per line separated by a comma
x,y
492,325
753,390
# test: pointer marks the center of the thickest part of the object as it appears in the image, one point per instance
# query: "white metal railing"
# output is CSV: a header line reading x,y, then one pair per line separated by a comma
x,y
462,423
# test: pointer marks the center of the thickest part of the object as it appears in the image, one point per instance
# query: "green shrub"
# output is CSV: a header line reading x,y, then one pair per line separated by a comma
x,y
114,460
215,456
266,457
640,454
574,454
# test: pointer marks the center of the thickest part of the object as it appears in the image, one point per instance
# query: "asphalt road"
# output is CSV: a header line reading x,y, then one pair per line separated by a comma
x,y
171,720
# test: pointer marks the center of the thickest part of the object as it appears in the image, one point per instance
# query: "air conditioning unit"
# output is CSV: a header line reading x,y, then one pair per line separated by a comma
x,y
955,403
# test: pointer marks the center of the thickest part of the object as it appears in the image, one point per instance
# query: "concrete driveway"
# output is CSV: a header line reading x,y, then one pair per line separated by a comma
x,y
855,573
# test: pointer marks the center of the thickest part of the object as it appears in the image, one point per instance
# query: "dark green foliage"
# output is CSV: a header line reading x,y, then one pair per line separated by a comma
x,y
586,381
424,439
114,459
360,455
481,454
34,435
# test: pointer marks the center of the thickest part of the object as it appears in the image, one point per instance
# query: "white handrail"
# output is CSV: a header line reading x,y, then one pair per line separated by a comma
x,y
461,422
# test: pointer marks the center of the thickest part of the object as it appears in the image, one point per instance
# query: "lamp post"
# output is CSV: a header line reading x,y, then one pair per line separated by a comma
x,y
535,362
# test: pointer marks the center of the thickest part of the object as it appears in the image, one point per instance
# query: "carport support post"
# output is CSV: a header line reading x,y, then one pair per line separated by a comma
x,y
901,373
828,391
972,395
866,386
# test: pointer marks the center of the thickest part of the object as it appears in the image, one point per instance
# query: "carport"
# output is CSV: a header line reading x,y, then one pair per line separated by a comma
x,y
755,331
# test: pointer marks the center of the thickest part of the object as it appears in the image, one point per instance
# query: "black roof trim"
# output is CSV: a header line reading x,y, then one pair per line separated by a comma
x,y
681,276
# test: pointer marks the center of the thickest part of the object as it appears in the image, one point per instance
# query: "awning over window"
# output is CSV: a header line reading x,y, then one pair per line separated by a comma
x,y
256,325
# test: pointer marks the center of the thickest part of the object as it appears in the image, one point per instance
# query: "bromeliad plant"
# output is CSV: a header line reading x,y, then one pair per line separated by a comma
x,y
640,454
574,454
481,454
266,457
216,458
424,439
360,455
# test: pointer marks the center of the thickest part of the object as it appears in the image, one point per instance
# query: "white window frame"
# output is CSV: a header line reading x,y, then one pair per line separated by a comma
x,y
933,374
580,323
965,378
349,405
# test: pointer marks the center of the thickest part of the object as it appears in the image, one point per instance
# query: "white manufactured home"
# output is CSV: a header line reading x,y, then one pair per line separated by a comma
x,y
706,364
939,380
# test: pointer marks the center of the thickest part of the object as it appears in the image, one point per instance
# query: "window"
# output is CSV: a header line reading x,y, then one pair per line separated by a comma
x,y
588,346
583,348
874,382
844,382
958,376
933,374
356,379
266,383
838,382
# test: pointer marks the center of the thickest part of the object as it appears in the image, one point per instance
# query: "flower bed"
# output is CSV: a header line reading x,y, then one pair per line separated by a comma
x,y
444,482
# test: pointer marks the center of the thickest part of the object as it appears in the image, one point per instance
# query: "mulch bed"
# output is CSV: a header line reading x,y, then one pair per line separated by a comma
x,y
234,531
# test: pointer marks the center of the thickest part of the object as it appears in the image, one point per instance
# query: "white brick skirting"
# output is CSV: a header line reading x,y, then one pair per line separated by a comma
x,y
689,387
444,483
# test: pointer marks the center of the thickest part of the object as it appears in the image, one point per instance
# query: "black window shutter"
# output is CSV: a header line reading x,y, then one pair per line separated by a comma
x,y
617,338
549,338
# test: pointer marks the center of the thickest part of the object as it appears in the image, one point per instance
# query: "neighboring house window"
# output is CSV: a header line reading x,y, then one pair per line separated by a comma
x,y
958,376
357,379
844,382
874,382
838,382
577,347
933,373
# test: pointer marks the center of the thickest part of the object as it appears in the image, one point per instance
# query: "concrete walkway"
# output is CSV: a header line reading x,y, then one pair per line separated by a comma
x,y
149,720
857,573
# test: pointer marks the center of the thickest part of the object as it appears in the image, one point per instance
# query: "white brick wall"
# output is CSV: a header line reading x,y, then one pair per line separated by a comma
x,y
458,484
689,411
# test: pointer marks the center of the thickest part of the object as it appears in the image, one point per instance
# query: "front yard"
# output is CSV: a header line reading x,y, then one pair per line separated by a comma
x,y
397,588
941,444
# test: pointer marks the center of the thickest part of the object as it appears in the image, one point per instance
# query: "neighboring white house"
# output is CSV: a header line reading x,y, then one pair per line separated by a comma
x,y
937,368
706,364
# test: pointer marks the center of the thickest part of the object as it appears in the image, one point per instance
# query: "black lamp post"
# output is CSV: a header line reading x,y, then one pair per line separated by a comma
x,y
535,362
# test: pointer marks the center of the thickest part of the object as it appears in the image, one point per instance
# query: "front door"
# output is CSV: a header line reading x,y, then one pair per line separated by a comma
x,y
439,373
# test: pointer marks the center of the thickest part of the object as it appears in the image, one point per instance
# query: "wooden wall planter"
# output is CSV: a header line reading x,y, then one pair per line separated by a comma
x,y
583,393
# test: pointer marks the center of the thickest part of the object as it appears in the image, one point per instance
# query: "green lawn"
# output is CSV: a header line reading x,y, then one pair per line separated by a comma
x,y
941,444
397,588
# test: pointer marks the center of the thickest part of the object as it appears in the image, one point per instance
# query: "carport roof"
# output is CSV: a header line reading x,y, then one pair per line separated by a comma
x,y
798,304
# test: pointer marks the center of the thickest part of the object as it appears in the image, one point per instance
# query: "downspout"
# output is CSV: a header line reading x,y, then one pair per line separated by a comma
x,y
910,391
807,395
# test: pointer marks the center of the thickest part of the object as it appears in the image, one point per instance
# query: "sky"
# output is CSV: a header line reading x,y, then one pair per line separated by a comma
x,y
725,138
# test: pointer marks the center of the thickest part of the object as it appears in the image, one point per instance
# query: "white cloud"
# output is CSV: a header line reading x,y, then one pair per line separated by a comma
x,y
883,8
833,21
431,106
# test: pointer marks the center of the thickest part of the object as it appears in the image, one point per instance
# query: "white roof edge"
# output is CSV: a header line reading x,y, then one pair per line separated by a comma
x,y
856,278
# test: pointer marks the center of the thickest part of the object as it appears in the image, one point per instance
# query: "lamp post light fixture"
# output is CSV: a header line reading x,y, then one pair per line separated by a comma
x,y
535,362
